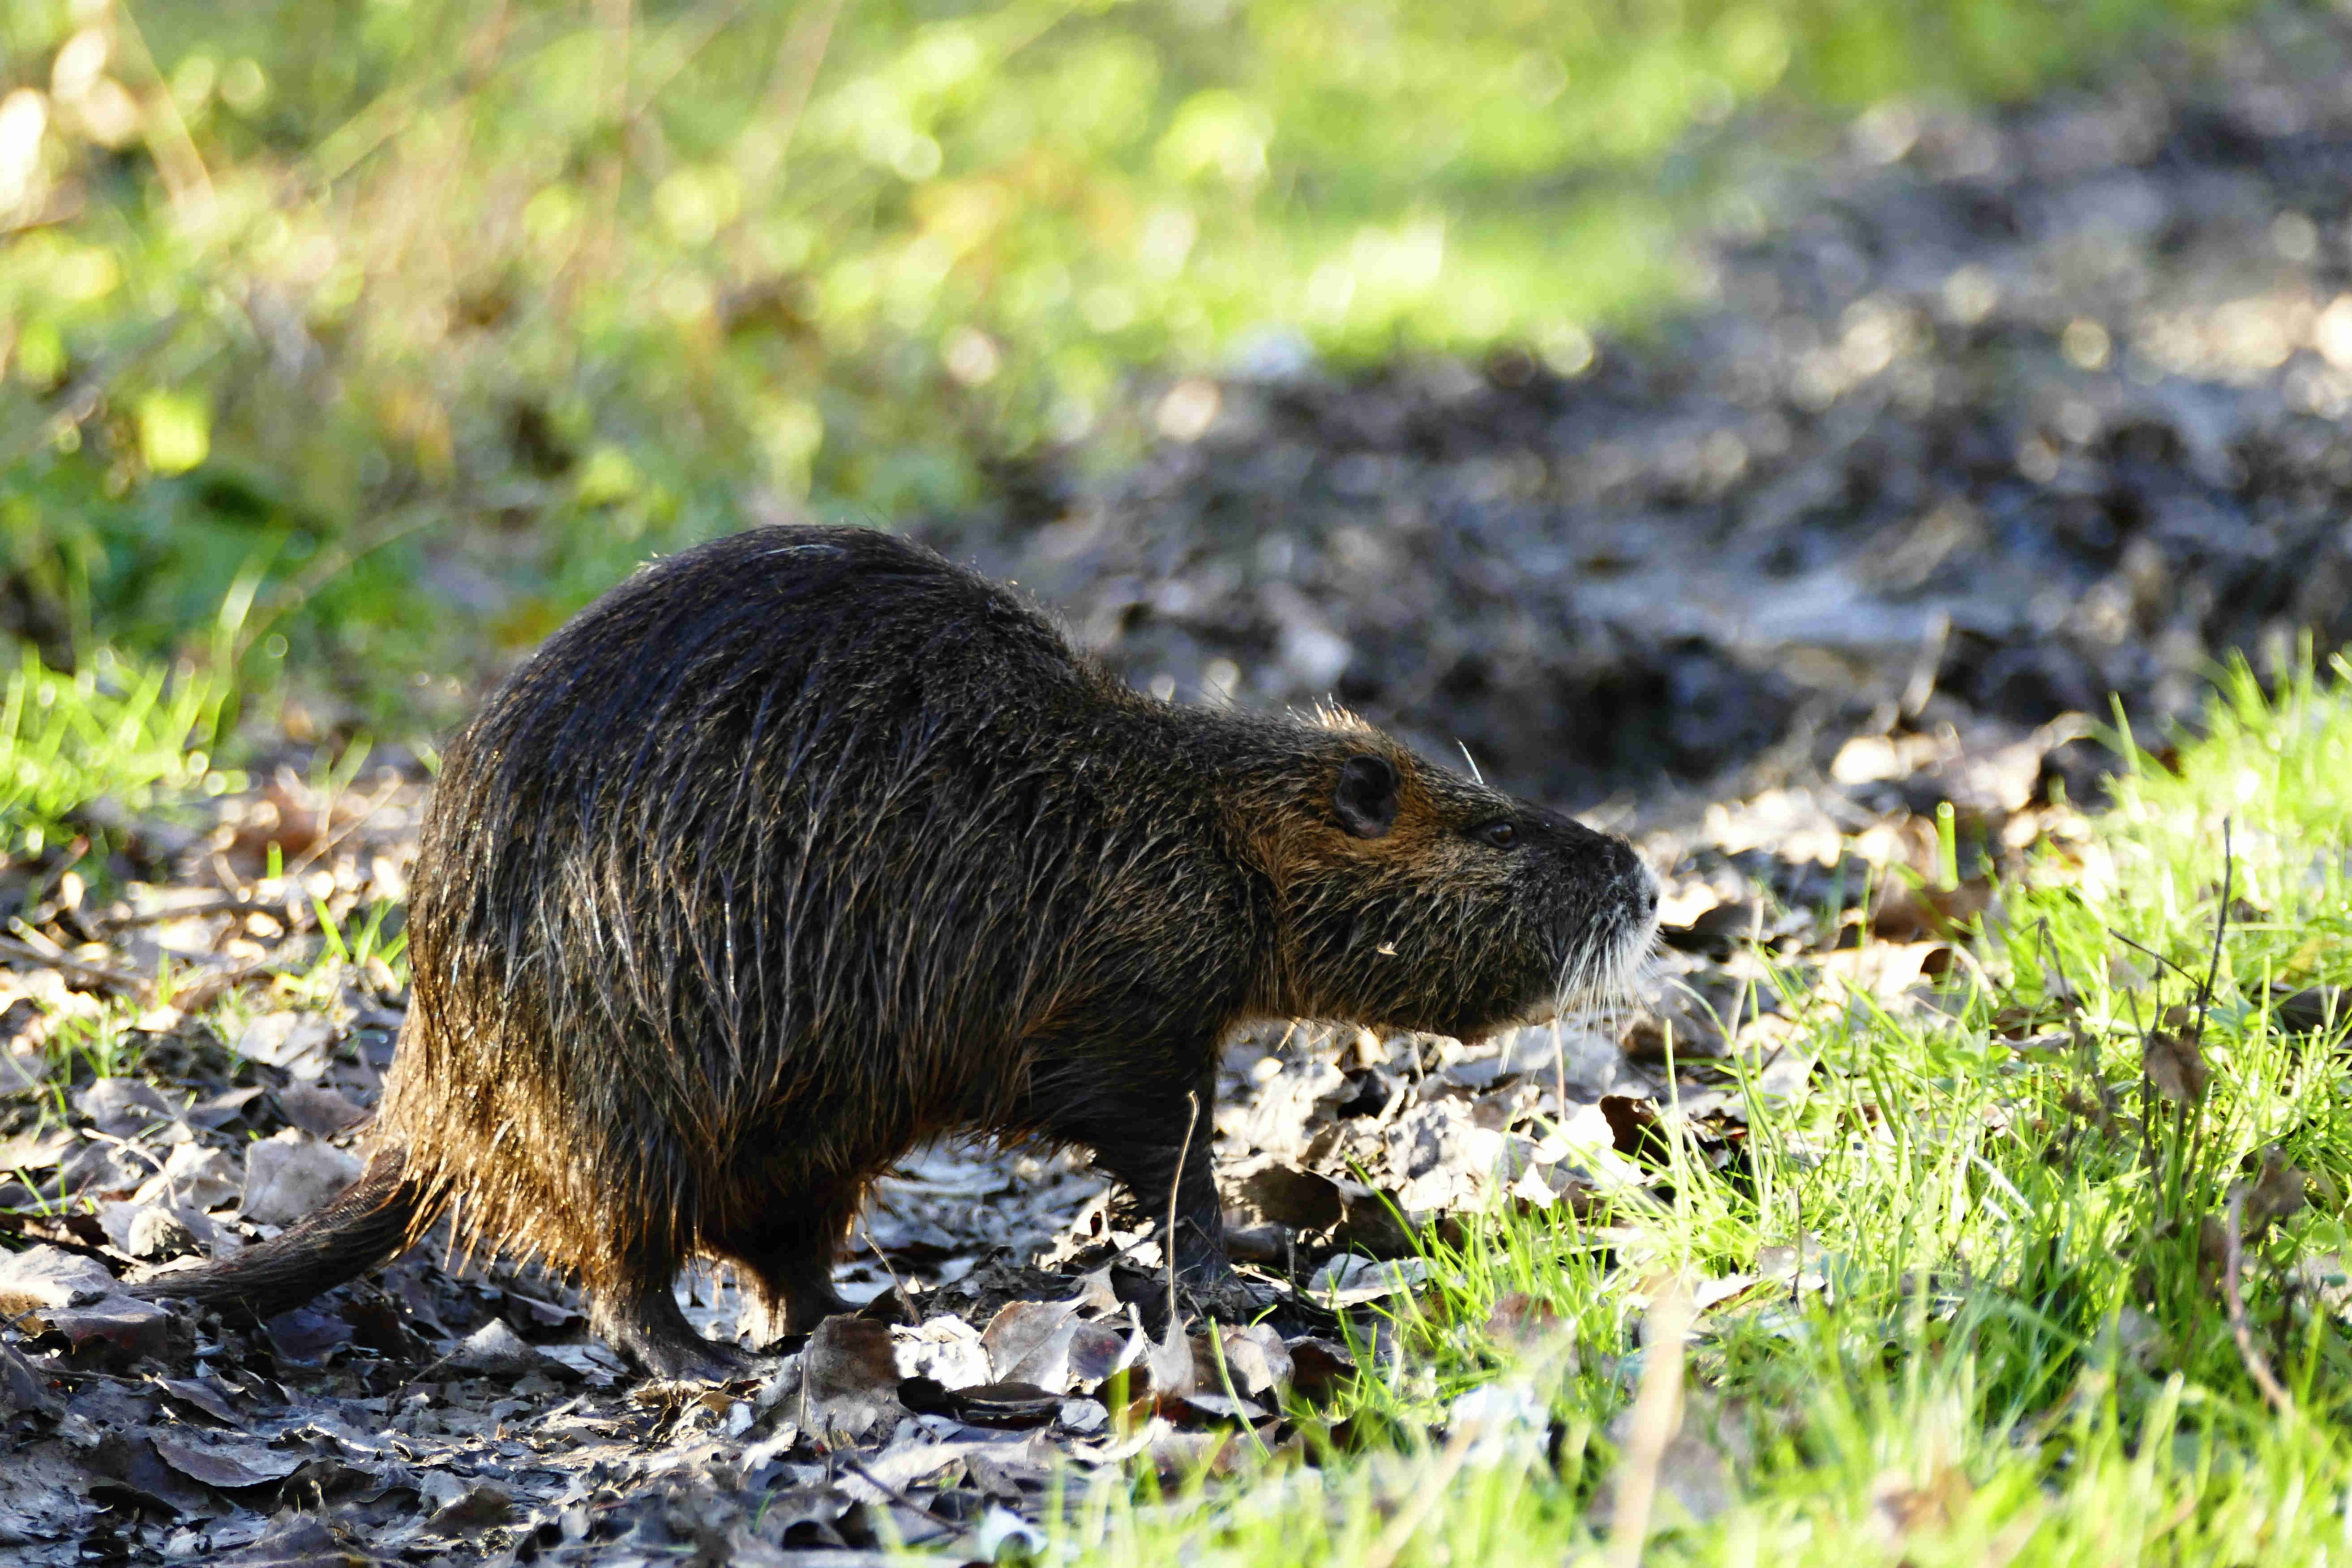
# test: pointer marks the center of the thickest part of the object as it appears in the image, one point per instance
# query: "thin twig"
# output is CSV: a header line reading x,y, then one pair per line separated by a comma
x,y
896,1283
2146,1086
1657,1416
2152,953
854,1463
2258,1366
1433,1490
794,80
1797,1263
26,953
1559,1078
226,904
328,838
2221,925
1175,1182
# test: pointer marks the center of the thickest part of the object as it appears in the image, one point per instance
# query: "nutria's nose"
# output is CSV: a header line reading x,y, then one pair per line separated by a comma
x,y
1645,886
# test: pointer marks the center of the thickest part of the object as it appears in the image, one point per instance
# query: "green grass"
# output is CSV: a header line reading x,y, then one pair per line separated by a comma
x,y
2008,1342
124,732
425,321
2011,1345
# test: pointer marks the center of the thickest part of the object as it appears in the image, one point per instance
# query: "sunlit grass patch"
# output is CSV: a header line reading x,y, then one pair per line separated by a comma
x,y
123,732
2051,1271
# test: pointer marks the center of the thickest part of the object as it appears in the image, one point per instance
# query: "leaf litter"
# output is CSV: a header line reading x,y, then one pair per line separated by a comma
x,y
190,1066
1014,1321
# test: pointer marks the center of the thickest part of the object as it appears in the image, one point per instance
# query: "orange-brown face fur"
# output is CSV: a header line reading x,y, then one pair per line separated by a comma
x,y
1440,904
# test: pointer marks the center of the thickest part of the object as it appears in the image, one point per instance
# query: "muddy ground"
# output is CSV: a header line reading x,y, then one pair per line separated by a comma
x,y
1995,414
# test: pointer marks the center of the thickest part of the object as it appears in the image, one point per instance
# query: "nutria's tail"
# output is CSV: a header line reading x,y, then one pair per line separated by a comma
x,y
359,1228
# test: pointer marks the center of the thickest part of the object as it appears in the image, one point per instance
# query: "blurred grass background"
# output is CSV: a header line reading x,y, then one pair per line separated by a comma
x,y
367,341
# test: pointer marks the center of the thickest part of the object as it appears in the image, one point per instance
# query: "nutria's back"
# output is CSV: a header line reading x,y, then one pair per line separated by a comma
x,y
805,845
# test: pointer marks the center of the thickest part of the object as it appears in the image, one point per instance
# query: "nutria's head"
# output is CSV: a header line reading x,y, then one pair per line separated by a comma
x,y
1409,896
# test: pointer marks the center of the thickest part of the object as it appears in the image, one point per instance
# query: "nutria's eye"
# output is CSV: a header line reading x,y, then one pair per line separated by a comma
x,y
1501,835
1366,800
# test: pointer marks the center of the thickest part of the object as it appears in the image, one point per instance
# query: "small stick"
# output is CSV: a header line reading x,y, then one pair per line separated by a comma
x,y
2258,1367
1395,1539
1657,1416
2220,924
2152,953
1183,1153
224,905
896,1283
856,1465
2146,1087
330,839
1559,1076
114,979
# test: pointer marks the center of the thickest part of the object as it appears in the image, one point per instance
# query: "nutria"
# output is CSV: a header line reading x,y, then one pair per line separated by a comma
x,y
805,846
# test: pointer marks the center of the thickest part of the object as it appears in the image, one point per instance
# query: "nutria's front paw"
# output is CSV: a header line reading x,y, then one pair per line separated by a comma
x,y
1227,1298
705,1361
1200,1257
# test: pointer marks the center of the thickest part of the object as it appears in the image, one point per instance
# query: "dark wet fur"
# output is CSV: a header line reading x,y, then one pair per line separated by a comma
x,y
805,846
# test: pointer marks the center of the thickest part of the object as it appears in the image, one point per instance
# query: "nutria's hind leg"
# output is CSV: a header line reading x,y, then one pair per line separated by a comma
x,y
644,1323
785,1257
633,1308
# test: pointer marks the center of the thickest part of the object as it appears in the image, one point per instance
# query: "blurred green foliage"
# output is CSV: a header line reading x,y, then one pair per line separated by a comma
x,y
415,321
115,732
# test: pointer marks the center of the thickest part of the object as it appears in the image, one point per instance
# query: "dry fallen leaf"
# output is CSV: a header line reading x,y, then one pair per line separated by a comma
x,y
226,1462
2175,1066
2275,1194
850,1373
1900,1510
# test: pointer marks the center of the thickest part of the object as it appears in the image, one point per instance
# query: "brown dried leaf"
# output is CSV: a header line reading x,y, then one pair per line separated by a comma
x,y
44,1277
321,1112
473,1509
204,1395
1318,1367
23,1388
1095,1352
2175,1066
1256,1360
1278,1193
1170,1358
127,1470
494,1350
1030,1341
849,1377
1096,1297
305,1540
2276,1194
1899,1511
33,1153
227,1464
290,1175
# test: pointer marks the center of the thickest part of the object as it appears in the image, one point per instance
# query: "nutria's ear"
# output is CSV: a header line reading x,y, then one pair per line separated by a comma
x,y
1366,799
